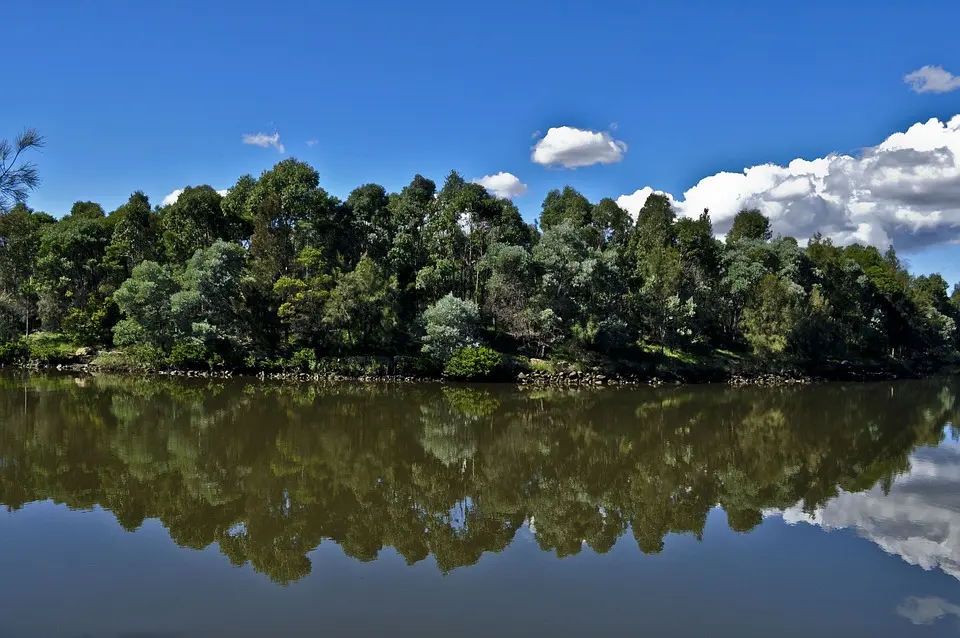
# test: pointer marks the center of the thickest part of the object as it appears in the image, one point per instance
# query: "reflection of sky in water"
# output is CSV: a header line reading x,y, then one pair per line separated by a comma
x,y
926,610
919,520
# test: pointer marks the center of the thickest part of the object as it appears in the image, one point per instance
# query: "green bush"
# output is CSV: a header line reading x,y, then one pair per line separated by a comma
x,y
188,355
473,362
304,360
91,325
133,358
14,352
50,348
415,366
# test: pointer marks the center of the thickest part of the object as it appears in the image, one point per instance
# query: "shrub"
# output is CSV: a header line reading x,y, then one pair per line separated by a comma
x,y
50,348
91,325
414,366
188,354
133,358
14,352
304,360
451,324
473,362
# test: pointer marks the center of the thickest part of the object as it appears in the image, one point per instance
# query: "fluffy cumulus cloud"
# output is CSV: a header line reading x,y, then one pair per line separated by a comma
x,y
506,185
904,191
264,140
919,520
573,147
171,198
932,79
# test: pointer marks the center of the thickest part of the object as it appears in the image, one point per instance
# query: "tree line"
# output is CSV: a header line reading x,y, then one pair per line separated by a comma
x,y
447,473
280,272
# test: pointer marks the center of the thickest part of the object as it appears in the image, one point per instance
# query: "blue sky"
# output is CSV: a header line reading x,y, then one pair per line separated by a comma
x,y
157,95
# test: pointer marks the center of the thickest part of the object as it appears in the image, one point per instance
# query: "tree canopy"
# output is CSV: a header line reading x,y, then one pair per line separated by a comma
x,y
278,266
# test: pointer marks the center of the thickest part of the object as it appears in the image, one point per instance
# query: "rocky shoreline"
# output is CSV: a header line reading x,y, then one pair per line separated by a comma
x,y
541,378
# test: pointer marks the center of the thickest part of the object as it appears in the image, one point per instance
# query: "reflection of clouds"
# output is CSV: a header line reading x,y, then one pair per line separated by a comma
x,y
919,520
926,610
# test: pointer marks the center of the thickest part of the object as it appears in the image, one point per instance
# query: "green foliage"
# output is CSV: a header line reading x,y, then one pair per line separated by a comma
x,y
277,267
14,352
91,325
304,360
750,224
196,220
135,233
51,348
145,300
143,358
473,363
18,177
362,308
189,354
71,265
451,324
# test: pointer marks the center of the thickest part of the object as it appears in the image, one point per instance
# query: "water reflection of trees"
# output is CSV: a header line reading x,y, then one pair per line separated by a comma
x,y
267,472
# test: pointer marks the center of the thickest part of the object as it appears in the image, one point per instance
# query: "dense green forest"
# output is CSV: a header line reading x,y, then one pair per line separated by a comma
x,y
267,471
279,273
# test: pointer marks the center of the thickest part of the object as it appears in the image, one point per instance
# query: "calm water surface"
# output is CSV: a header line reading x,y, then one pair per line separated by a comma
x,y
165,509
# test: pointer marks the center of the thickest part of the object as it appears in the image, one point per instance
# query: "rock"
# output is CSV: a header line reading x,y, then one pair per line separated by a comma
x,y
84,352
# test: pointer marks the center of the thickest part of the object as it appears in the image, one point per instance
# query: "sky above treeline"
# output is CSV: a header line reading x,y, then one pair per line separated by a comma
x,y
837,117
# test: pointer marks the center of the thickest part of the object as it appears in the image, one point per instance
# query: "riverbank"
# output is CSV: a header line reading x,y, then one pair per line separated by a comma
x,y
655,368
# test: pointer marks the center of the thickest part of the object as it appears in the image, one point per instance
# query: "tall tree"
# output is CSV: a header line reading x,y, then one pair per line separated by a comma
x,y
565,205
20,232
135,233
195,221
362,308
750,223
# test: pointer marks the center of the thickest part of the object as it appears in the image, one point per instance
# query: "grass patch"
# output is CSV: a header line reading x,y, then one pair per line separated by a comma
x,y
132,359
51,348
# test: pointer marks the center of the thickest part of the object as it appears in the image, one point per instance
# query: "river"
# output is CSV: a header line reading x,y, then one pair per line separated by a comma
x,y
169,508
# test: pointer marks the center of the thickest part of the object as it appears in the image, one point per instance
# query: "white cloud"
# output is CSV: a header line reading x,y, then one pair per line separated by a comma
x,y
906,190
312,143
506,185
932,79
171,198
175,195
264,140
572,147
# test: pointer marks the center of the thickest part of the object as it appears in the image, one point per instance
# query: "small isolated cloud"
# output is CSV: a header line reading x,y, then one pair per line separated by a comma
x,y
264,140
312,143
932,79
572,147
536,134
506,185
904,191
175,195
